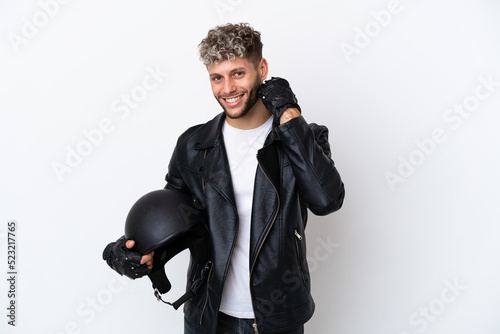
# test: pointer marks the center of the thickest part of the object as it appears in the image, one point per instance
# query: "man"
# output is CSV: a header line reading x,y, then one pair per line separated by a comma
x,y
255,169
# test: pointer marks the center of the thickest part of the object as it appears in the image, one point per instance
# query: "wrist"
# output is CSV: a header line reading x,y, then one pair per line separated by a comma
x,y
289,114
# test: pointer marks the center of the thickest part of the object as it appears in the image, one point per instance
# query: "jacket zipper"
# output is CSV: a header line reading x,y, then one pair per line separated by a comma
x,y
203,185
265,237
203,182
206,298
299,254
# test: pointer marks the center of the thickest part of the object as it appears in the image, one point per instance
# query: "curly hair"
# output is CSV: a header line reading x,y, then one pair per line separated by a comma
x,y
230,41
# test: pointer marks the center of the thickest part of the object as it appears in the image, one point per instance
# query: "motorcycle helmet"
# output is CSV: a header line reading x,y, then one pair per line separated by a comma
x,y
167,222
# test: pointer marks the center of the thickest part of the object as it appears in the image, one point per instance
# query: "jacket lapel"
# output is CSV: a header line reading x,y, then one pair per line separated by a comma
x,y
214,167
266,200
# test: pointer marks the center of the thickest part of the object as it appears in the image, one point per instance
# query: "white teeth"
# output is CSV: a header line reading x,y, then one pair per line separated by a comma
x,y
233,99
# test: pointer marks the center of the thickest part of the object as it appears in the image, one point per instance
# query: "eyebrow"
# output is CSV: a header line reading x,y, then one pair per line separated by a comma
x,y
239,69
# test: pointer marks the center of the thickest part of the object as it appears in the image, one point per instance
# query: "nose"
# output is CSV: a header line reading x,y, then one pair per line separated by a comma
x,y
229,86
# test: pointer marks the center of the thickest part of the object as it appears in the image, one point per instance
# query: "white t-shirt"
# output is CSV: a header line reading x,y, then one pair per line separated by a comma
x,y
241,147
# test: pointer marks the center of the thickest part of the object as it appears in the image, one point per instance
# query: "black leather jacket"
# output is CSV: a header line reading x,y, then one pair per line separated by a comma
x,y
294,173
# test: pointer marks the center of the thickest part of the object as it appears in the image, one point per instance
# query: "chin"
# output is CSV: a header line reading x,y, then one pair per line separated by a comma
x,y
237,113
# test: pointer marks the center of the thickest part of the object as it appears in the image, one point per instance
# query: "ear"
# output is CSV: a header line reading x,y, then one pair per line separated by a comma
x,y
263,69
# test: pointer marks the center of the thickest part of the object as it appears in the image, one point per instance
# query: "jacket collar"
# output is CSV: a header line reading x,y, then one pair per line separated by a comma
x,y
212,133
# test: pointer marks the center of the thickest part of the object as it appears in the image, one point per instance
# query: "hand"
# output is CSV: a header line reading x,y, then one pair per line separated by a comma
x,y
145,259
278,97
125,261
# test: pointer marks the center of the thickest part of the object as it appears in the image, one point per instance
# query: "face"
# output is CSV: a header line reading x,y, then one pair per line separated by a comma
x,y
235,84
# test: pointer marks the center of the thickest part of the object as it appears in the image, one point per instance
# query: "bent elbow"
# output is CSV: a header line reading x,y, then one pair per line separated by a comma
x,y
329,204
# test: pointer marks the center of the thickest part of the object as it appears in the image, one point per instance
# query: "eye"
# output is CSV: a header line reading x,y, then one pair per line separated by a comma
x,y
216,78
239,74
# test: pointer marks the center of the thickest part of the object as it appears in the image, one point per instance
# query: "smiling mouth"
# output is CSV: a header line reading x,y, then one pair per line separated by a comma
x,y
232,99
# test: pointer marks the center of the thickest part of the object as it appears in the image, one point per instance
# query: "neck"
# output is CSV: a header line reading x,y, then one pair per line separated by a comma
x,y
255,117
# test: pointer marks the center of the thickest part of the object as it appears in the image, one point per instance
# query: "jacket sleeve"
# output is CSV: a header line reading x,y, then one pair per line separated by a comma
x,y
309,153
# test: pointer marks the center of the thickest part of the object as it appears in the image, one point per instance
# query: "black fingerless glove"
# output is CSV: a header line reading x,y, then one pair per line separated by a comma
x,y
277,96
123,260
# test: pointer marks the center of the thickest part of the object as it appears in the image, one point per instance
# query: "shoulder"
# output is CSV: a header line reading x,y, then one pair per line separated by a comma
x,y
200,133
190,132
319,130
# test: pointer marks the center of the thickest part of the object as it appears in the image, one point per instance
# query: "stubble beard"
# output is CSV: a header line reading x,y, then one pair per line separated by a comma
x,y
252,99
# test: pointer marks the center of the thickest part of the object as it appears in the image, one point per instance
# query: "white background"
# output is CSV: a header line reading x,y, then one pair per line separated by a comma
x,y
397,246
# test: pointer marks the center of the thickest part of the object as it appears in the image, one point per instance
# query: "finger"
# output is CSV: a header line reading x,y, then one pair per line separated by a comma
x,y
147,258
130,243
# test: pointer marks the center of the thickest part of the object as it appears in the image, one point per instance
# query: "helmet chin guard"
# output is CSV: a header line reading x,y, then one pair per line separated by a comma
x,y
167,222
